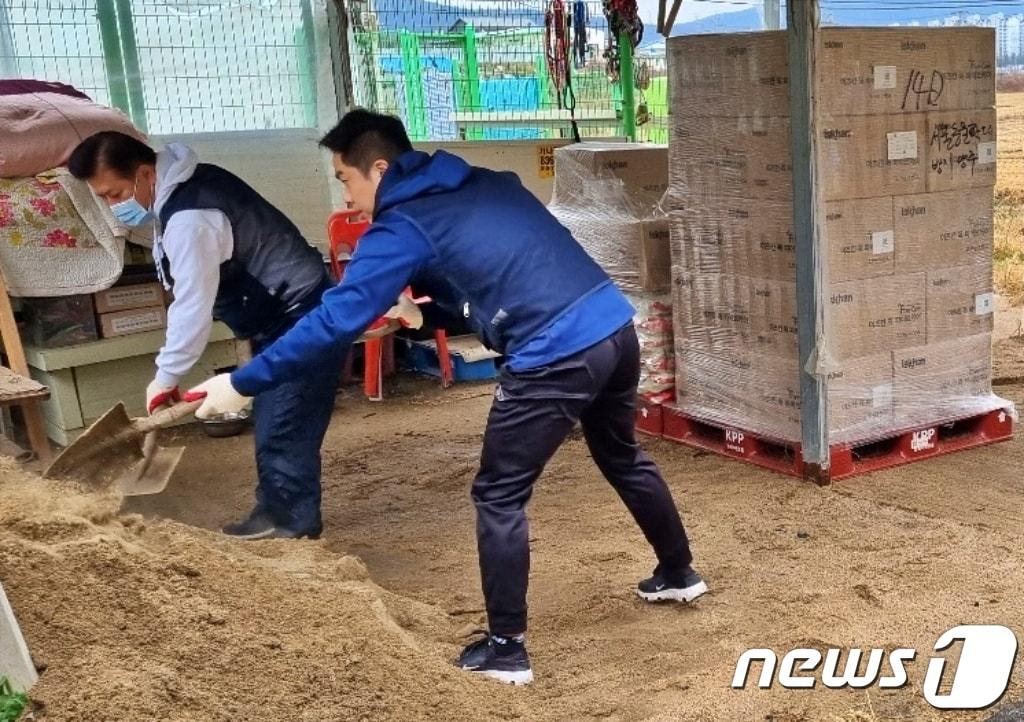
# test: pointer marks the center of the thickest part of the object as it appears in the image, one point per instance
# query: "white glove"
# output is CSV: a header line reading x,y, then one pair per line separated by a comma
x,y
407,312
158,395
219,397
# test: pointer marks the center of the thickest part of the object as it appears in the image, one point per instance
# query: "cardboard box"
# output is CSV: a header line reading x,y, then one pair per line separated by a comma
x,y
868,71
729,314
861,238
634,253
961,302
939,230
943,381
862,71
733,235
873,155
762,394
610,173
138,320
729,74
875,315
59,321
961,149
860,397
741,391
123,298
741,156
655,263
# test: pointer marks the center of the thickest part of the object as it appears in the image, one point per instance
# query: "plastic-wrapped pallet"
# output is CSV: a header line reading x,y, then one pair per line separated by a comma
x,y
607,195
907,150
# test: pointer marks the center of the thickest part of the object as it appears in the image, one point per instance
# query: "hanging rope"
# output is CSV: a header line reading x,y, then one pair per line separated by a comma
x,y
558,48
579,33
623,18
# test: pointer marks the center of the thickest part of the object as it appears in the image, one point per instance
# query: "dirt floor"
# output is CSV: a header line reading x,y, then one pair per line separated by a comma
x,y
147,616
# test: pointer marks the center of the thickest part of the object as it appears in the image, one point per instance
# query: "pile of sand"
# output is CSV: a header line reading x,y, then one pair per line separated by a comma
x,y
129,620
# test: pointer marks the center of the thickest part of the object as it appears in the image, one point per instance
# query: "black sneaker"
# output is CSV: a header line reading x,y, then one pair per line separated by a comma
x,y
260,525
496,657
684,586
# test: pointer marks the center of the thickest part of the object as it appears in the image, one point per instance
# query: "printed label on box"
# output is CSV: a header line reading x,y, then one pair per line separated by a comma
x,y
137,322
984,304
881,396
987,152
883,242
885,77
902,144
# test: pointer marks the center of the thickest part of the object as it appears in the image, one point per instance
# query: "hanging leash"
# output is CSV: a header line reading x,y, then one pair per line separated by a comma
x,y
579,33
558,52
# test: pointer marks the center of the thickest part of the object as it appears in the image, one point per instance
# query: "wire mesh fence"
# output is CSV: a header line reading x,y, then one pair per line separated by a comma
x,y
451,69
175,66
482,70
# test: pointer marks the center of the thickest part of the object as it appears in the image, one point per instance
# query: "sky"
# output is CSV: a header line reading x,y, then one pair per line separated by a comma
x,y
694,9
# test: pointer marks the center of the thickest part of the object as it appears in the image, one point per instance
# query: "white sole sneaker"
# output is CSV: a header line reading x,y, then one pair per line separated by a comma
x,y
686,594
513,678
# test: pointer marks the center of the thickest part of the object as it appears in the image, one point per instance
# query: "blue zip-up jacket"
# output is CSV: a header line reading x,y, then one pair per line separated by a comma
x,y
479,243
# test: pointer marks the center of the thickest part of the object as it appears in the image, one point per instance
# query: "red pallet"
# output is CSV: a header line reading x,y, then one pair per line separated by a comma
x,y
649,417
903,447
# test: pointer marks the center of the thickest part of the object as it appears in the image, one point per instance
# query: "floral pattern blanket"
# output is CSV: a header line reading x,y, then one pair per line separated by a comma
x,y
56,237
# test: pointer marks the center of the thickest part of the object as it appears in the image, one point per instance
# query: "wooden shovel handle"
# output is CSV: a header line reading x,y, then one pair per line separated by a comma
x,y
166,417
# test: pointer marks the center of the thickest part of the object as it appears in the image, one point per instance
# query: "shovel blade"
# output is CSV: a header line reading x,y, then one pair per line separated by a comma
x,y
151,474
102,454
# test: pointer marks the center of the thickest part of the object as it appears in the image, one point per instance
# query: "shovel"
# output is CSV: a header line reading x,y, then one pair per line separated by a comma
x,y
120,453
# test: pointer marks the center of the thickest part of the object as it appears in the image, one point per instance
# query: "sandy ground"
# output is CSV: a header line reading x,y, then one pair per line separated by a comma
x,y
149,619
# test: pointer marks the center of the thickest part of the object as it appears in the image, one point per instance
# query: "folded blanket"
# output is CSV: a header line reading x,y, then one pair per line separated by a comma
x,y
39,130
20,86
57,238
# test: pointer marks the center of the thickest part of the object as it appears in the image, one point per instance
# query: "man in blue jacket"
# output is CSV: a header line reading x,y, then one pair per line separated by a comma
x,y
484,246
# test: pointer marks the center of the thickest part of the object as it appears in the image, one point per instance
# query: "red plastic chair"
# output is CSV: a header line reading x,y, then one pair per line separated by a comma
x,y
344,229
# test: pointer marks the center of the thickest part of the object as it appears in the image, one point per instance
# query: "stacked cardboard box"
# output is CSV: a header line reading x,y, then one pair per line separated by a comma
x,y
607,195
907,139
129,309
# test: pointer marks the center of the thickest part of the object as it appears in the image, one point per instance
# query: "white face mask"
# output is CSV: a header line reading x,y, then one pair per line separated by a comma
x,y
131,212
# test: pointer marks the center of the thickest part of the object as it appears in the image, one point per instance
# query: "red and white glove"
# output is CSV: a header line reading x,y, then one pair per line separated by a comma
x,y
158,396
219,397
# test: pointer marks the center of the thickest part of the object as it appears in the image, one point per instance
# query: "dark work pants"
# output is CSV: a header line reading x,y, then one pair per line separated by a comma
x,y
531,415
290,422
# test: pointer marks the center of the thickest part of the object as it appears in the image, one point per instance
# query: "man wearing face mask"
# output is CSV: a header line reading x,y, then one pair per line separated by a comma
x,y
228,254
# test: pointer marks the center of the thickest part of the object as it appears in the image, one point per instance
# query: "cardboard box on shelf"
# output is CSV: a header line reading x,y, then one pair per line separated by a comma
x,y
124,298
137,320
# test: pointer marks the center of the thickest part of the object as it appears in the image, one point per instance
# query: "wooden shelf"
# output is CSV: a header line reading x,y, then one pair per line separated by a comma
x,y
108,349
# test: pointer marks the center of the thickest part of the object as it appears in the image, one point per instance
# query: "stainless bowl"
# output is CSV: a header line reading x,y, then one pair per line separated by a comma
x,y
226,424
